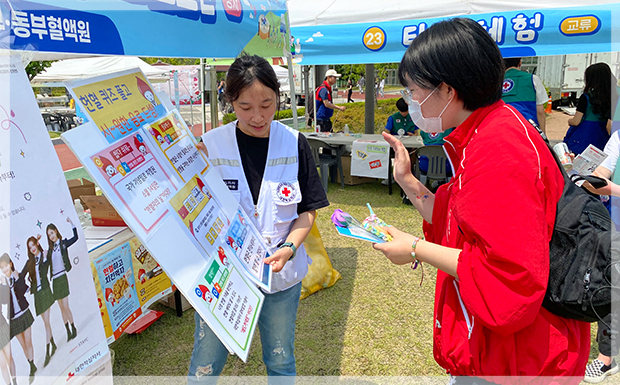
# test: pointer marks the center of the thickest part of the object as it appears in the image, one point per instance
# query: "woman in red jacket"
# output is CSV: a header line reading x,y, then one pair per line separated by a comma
x,y
488,230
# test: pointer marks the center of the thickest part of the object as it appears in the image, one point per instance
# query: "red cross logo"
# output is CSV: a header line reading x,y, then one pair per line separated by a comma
x,y
286,191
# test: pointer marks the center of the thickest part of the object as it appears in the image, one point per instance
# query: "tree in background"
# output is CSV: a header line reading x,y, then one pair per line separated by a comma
x,y
36,67
355,71
172,61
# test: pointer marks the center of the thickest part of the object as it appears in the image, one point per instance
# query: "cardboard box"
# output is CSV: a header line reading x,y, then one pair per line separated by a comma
x,y
79,187
169,301
349,179
101,211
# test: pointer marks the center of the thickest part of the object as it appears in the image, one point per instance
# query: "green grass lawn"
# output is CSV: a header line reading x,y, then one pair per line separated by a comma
x,y
375,321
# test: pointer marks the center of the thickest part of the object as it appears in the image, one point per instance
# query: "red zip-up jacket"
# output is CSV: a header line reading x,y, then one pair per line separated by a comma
x,y
499,209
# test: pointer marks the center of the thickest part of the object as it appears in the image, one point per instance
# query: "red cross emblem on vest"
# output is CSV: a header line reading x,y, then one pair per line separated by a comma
x,y
286,192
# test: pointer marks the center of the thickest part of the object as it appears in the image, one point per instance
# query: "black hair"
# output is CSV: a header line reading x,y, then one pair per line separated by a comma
x,y
512,62
402,106
6,259
245,70
598,80
460,53
50,244
31,262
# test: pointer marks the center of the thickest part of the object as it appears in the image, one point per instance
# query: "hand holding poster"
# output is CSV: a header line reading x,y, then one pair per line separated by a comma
x,y
140,171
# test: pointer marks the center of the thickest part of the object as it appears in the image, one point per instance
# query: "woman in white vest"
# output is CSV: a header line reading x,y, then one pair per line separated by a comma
x,y
269,168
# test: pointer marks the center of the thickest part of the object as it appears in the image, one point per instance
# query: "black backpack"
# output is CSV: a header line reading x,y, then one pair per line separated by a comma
x,y
579,284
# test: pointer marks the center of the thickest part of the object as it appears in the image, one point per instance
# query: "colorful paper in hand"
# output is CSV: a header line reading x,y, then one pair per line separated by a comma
x,y
368,230
376,225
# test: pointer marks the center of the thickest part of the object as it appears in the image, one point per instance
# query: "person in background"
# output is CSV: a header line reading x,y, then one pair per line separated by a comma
x,y
381,86
591,123
350,91
605,365
280,198
400,121
361,83
525,92
324,103
489,325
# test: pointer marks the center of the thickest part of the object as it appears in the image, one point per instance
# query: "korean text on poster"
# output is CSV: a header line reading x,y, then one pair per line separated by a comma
x,y
115,274
137,178
175,141
119,105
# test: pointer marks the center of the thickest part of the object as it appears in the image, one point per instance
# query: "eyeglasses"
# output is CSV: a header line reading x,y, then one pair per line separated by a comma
x,y
406,94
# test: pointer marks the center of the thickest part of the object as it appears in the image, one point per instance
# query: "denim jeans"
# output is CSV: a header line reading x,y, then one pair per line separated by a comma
x,y
277,334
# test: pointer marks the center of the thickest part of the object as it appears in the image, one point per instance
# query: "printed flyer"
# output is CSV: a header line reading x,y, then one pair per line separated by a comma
x,y
151,281
140,172
174,140
118,103
115,273
54,310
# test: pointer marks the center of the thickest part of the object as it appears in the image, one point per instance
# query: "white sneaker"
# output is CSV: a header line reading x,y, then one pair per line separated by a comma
x,y
384,182
596,371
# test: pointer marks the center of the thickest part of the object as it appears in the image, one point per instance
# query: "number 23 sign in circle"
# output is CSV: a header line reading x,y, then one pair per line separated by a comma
x,y
374,38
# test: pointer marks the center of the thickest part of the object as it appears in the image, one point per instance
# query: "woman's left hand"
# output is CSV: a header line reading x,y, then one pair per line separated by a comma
x,y
70,221
398,250
278,259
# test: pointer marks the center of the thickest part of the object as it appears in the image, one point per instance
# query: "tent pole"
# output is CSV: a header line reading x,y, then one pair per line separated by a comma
x,y
291,82
203,93
369,113
213,98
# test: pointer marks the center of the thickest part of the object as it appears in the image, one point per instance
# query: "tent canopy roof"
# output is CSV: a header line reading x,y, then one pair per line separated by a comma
x,y
71,69
327,12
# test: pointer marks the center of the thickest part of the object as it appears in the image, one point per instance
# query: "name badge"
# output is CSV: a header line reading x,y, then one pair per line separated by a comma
x,y
232,184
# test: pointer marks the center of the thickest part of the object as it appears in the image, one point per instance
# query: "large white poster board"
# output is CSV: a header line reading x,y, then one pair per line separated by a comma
x,y
177,205
35,207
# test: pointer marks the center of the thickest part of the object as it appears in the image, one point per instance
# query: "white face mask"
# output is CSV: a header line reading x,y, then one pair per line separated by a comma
x,y
428,125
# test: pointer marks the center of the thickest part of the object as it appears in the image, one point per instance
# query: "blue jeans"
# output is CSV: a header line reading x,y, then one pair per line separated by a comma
x,y
277,334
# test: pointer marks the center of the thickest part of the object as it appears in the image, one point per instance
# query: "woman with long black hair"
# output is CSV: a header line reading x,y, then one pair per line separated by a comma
x,y
591,123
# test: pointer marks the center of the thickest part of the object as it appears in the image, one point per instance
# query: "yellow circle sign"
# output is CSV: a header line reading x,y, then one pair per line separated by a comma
x,y
374,38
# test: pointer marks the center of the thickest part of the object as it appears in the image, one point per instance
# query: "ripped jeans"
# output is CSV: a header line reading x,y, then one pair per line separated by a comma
x,y
277,334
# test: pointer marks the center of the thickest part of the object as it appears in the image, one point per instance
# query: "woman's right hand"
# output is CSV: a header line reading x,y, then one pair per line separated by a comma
x,y
202,147
402,162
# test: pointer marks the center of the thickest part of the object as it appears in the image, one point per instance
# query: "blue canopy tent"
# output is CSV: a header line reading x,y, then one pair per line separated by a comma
x,y
333,32
155,28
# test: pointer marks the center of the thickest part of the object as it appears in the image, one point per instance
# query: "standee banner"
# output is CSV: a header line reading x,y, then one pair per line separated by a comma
x,y
519,33
182,213
55,333
156,28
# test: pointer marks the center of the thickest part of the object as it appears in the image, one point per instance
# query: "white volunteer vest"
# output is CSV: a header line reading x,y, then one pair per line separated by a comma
x,y
279,193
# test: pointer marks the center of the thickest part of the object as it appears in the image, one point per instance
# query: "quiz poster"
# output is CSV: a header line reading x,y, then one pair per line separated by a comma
x,y
61,325
231,301
115,273
173,138
140,173
119,103
217,234
137,178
